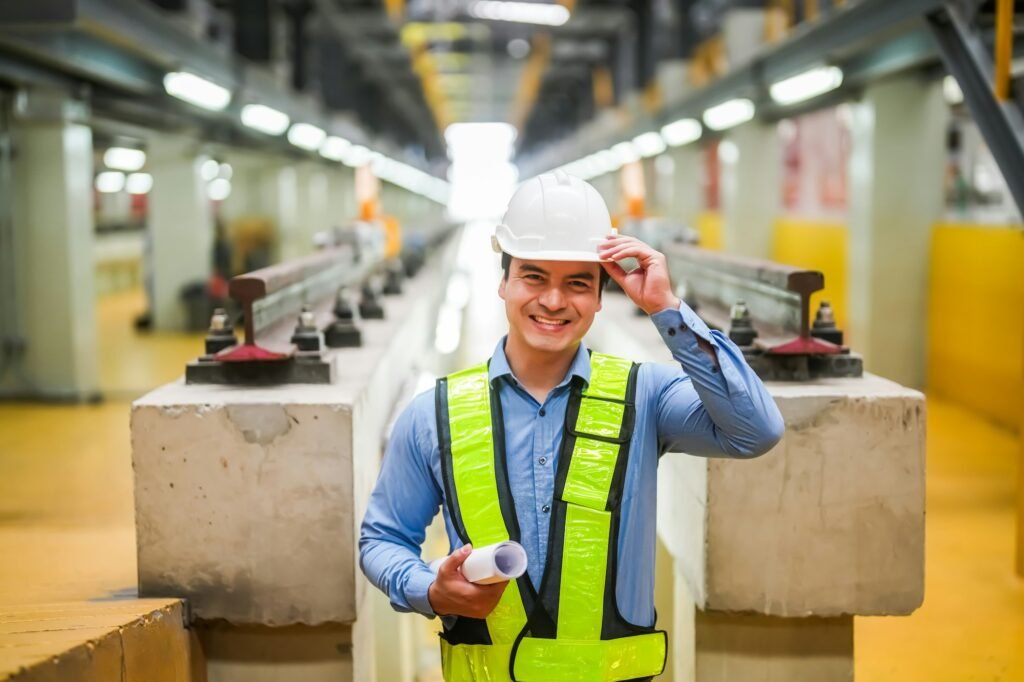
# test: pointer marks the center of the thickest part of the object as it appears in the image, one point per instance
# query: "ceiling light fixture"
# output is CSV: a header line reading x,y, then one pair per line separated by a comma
x,y
357,155
334,148
306,136
806,85
681,132
139,183
124,159
197,91
110,182
219,189
264,119
729,114
649,144
520,12
625,152
952,92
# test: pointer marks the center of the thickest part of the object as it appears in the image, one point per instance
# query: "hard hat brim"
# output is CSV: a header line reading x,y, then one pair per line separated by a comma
x,y
572,256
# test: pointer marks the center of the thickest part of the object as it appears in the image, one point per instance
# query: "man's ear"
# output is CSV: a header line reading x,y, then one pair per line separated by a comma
x,y
501,288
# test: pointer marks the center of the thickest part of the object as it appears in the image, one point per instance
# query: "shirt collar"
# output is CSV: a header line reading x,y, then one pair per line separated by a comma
x,y
499,367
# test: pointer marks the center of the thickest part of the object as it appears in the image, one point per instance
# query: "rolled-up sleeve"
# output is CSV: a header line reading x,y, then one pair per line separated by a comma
x,y
706,408
402,505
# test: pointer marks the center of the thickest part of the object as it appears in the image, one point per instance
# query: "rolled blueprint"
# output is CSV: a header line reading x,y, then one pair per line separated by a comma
x,y
491,564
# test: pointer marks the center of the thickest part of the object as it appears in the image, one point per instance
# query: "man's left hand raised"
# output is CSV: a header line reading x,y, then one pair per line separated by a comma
x,y
649,285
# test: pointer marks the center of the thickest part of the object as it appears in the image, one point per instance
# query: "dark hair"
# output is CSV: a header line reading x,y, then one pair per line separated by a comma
x,y
506,264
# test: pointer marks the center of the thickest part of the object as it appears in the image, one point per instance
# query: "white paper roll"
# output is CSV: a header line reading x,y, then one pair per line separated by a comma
x,y
491,564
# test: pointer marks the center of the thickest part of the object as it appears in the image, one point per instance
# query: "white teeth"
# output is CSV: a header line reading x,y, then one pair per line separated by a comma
x,y
545,320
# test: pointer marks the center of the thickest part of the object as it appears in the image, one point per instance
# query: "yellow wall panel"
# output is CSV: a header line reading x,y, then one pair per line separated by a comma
x,y
816,245
709,226
976,319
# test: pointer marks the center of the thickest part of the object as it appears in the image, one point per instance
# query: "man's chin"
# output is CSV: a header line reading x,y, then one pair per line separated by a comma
x,y
550,343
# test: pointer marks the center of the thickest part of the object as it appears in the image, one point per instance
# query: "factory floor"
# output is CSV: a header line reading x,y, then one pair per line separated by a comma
x,y
66,529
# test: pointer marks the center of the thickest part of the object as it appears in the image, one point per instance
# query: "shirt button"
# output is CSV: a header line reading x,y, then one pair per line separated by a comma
x,y
545,509
682,327
542,412
671,331
543,460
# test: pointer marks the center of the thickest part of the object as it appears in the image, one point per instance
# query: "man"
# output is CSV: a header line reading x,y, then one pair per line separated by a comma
x,y
557,448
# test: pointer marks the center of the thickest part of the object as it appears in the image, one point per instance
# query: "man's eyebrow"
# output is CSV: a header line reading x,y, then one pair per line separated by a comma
x,y
582,275
530,267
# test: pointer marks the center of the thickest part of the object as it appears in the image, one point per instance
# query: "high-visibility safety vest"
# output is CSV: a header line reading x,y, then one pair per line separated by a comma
x,y
570,629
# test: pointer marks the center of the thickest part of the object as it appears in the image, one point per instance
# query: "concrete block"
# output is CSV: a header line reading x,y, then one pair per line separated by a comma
x,y
829,523
247,500
132,640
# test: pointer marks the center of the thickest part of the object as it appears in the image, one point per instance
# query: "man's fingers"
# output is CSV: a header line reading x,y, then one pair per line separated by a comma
x,y
455,560
614,270
642,254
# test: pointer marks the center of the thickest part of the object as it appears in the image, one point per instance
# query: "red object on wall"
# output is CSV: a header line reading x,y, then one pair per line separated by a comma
x,y
712,177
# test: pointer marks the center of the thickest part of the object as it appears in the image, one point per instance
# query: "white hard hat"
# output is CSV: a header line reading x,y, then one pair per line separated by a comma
x,y
553,216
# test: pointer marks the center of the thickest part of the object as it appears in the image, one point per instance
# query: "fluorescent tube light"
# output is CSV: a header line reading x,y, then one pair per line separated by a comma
x,y
334,148
139,183
520,12
306,136
729,114
197,91
123,159
806,85
264,119
625,152
110,182
683,131
649,144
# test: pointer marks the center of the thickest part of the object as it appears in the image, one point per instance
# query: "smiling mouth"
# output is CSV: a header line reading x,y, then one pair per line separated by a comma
x,y
548,321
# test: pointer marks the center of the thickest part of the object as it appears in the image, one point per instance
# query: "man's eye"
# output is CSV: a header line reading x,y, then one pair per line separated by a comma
x,y
580,285
532,278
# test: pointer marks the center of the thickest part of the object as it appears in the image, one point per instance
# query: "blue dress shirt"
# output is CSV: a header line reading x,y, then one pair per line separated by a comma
x,y
692,407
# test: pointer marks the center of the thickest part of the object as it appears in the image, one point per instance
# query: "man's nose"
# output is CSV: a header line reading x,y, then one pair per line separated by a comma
x,y
552,298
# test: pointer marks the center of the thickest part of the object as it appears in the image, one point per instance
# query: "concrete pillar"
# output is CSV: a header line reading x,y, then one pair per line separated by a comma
x,y
180,227
897,164
750,163
687,197
51,293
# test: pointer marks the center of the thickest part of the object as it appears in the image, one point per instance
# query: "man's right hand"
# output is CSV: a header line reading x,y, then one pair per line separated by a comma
x,y
452,595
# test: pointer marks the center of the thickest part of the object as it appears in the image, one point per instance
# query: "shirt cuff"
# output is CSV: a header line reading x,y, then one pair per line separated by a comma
x,y
416,591
671,321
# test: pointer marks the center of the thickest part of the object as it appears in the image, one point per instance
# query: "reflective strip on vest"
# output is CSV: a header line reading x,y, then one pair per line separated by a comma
x,y
469,414
609,660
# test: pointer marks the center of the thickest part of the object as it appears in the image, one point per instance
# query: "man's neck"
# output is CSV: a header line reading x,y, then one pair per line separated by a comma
x,y
538,371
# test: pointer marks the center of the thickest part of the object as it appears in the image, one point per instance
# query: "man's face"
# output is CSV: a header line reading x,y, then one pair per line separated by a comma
x,y
551,304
